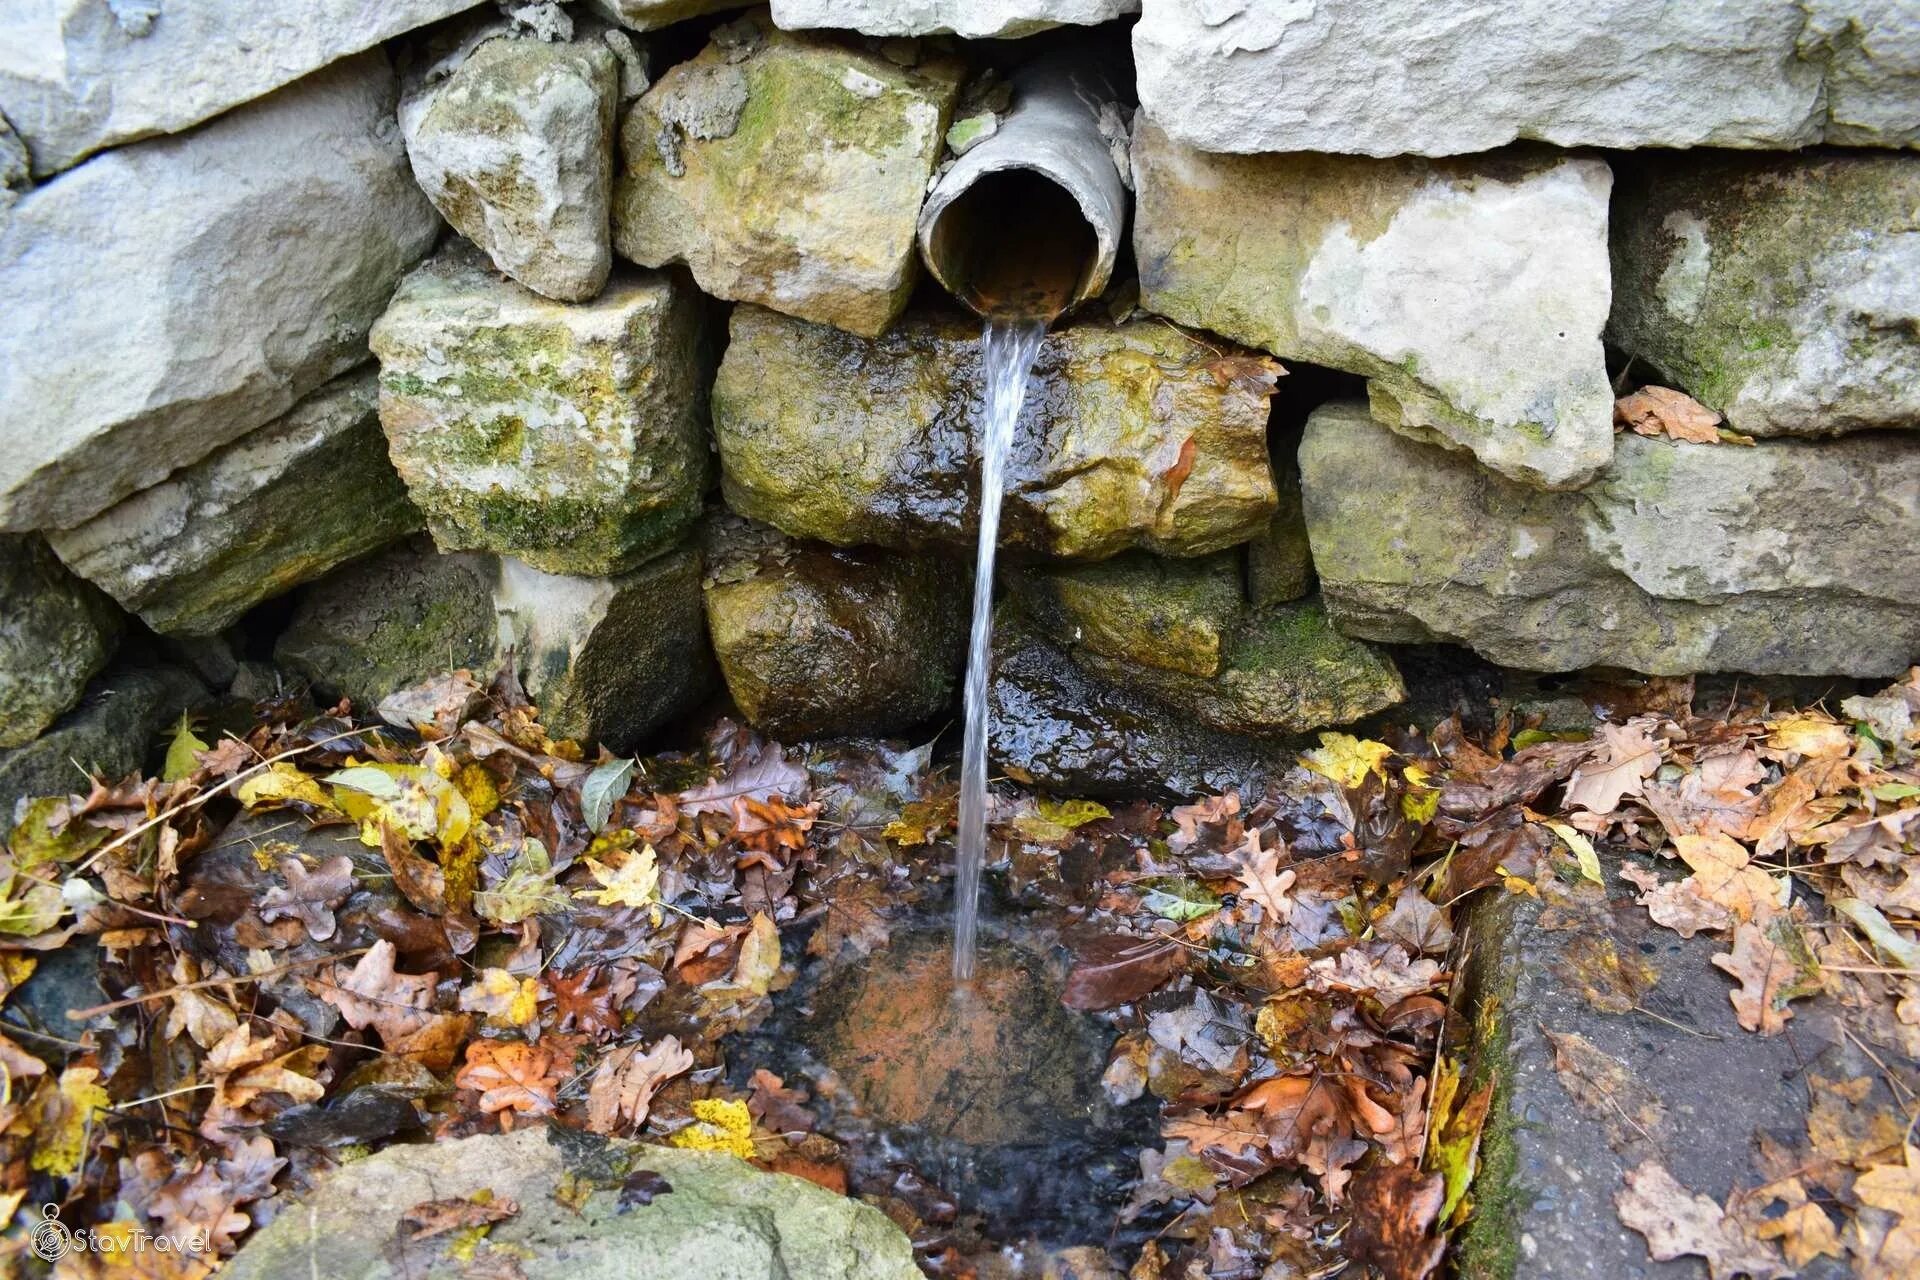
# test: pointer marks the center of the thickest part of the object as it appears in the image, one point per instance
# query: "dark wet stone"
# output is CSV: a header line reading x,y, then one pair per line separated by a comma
x,y
362,1116
1696,1093
114,731
66,979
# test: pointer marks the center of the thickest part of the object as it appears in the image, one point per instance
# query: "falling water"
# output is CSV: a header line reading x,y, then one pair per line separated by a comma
x,y
1007,352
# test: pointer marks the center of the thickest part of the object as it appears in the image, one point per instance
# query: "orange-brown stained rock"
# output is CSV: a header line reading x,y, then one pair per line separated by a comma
x,y
997,1063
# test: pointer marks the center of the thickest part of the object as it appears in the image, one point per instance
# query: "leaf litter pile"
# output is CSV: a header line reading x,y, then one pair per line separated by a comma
x,y
318,936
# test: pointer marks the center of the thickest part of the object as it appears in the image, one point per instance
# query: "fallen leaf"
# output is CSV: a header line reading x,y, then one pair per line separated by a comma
x,y
1261,880
1113,970
633,883
1395,1210
510,1076
1602,1086
622,1088
431,1218
1627,757
1722,874
309,896
1346,759
1662,411
1765,970
1677,1222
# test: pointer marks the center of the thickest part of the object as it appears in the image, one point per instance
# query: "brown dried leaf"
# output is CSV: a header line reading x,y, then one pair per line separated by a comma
x,y
1677,1222
309,896
1662,411
623,1086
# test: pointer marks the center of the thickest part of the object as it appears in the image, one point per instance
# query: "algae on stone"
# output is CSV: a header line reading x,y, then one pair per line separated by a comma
x,y
786,170
55,633
1472,293
570,436
815,640
608,659
1280,560
1146,610
278,507
392,620
1680,558
1781,291
513,143
1129,438
722,1220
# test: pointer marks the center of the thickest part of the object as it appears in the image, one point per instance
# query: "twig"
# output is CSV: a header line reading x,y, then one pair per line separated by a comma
x,y
81,1015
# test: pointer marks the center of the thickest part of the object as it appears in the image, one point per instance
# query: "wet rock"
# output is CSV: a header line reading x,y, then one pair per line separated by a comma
x,y
608,659
1128,438
56,632
785,170
1280,560
1274,75
1586,1091
1056,727
113,732
974,19
1472,293
169,297
79,78
384,623
512,140
1146,610
1680,558
280,506
1783,292
815,641
999,1063
722,1220
650,15
1283,669
570,436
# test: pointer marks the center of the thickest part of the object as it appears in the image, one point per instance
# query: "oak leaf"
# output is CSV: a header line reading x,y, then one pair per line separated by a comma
x,y
510,1076
623,1086
1626,758
1677,1222
1261,879
1765,969
309,896
1662,411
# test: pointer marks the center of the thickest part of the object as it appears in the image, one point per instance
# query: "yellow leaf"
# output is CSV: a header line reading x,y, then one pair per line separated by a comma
x,y
1809,734
180,752
1582,850
281,783
632,884
1422,799
1055,820
60,1131
1346,759
759,961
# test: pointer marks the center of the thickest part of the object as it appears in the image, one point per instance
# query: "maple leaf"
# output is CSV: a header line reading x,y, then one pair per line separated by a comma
x,y
724,1125
1722,874
1346,759
1256,375
634,883
855,921
309,896
1262,880
1765,970
1626,758
1662,411
779,1108
510,1076
577,1002
768,826
1677,1222
623,1086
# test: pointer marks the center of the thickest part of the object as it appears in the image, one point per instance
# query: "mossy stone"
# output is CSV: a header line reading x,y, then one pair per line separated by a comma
x,y
572,437
116,729
1128,439
1145,610
786,169
55,633
816,640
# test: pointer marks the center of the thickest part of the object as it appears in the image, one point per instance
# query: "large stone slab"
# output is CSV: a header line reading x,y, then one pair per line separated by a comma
x,y
1133,436
650,15
392,620
786,170
607,659
55,633
974,19
1472,293
1408,77
76,76
1680,558
280,506
816,641
512,140
1587,1088
570,436
115,730
723,1219
1782,291
162,300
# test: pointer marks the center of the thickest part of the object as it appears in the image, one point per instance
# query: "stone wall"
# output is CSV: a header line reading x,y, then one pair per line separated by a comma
x,y
593,339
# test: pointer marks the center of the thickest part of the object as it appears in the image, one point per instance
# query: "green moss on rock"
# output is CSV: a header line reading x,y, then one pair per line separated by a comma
x,y
55,633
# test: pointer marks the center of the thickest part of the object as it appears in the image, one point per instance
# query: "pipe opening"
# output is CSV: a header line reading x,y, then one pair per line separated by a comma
x,y
1014,244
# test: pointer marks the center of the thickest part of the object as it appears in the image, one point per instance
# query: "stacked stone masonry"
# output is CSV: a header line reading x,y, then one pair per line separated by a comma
x,y
594,338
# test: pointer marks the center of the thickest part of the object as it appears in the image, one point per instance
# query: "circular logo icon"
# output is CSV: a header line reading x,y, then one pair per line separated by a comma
x,y
52,1240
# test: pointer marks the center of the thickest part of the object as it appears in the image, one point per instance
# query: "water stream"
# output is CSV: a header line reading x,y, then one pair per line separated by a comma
x,y
1008,349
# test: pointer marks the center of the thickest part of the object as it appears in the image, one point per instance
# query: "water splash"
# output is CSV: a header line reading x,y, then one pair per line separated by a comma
x,y
1007,352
